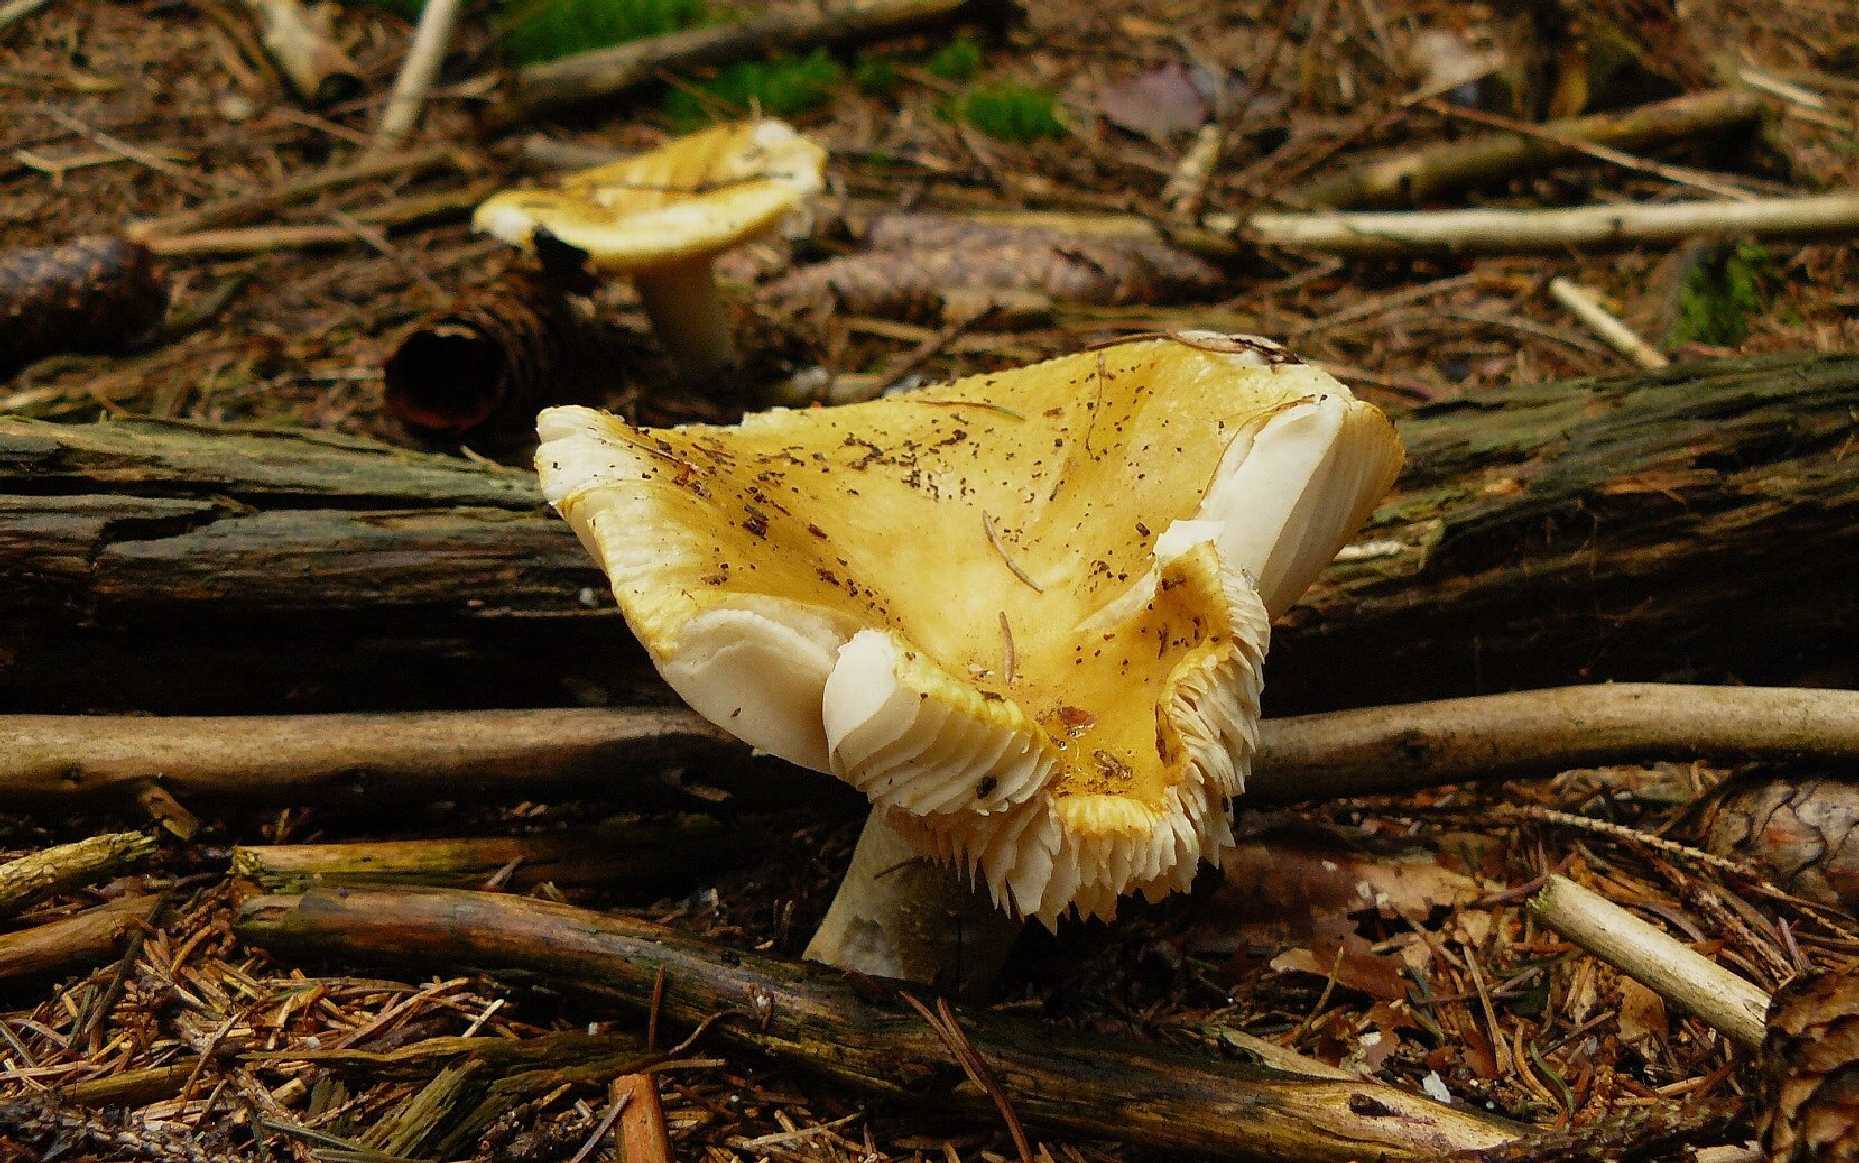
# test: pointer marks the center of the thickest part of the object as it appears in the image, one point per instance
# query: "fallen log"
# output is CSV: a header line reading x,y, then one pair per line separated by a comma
x,y
1541,535
40,875
854,1034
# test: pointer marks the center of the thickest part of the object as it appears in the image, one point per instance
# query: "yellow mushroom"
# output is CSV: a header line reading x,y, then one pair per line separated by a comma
x,y
663,217
1025,613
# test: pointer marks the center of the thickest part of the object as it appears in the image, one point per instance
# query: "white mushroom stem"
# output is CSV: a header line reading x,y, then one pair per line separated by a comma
x,y
688,316
900,914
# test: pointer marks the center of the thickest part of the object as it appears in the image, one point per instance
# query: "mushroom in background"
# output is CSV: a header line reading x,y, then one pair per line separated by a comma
x,y
1025,613
663,217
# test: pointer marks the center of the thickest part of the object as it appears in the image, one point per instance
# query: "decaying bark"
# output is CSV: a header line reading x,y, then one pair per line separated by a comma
x,y
96,294
639,855
857,1036
40,875
81,939
1541,535
1420,175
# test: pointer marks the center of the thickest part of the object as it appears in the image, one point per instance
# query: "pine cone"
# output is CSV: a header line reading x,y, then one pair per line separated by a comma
x,y
95,294
1811,1071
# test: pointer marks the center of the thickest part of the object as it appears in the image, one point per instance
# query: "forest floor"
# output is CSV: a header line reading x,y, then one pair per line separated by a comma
x,y
1388,935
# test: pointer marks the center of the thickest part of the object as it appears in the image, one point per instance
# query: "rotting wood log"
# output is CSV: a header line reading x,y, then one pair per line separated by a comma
x,y
607,72
1695,523
1415,176
630,854
853,1033
80,939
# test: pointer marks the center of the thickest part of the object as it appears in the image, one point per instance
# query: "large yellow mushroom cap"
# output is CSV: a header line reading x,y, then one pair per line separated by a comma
x,y
686,200
1026,613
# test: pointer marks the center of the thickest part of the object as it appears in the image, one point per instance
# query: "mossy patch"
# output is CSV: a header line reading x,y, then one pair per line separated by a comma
x,y
540,30
1012,112
781,86
959,60
1721,294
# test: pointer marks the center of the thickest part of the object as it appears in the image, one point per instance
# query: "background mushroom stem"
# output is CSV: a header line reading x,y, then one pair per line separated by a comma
x,y
900,914
688,316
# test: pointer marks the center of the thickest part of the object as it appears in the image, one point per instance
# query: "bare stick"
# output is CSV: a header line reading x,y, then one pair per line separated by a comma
x,y
1688,980
244,207
1370,751
850,1032
1523,231
1617,335
319,71
1421,174
624,853
607,72
444,206
86,937
291,758
30,879
1379,750
430,38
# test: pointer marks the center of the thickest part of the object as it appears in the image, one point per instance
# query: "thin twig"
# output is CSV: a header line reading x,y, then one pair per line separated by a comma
x,y
949,1031
1612,331
430,39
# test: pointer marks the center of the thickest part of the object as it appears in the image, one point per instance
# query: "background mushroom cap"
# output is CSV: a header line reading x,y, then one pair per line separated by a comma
x,y
1026,613
688,199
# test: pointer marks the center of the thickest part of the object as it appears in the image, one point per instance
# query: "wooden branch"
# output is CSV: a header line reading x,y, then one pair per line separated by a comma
x,y
417,73
1423,174
642,1135
1693,983
1541,535
399,214
820,1020
357,758
384,758
40,875
1394,749
317,68
633,854
84,938
609,72
244,207
1379,234
1617,335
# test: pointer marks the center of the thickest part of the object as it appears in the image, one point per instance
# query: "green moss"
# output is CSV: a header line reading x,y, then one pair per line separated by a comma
x,y
959,60
540,30
780,86
1012,112
875,76
1721,294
